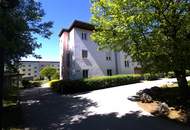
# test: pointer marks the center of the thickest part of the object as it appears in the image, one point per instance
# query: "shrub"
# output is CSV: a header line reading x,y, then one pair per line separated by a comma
x,y
30,84
170,75
94,83
149,76
188,72
26,83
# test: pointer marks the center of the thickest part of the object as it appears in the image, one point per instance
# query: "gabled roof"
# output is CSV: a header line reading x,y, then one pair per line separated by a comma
x,y
78,24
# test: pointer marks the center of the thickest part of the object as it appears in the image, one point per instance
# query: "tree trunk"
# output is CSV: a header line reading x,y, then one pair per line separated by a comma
x,y
182,81
49,78
1,78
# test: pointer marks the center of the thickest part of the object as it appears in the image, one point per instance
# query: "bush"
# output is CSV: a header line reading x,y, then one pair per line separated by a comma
x,y
30,84
187,72
94,83
26,83
149,76
170,75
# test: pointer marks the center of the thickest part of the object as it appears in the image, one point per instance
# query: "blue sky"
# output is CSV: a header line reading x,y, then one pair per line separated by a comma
x,y
62,13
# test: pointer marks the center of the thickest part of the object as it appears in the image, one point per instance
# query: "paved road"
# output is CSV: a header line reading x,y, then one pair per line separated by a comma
x,y
107,109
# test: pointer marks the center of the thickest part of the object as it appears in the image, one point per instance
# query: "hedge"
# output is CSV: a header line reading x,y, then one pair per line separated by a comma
x,y
148,76
89,84
30,84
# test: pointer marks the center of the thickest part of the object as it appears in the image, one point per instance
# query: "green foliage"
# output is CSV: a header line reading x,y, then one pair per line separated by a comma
x,y
26,83
170,75
48,72
55,76
93,83
149,76
155,33
31,84
20,27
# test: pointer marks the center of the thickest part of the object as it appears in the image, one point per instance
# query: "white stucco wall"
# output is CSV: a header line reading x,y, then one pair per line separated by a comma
x,y
61,56
96,62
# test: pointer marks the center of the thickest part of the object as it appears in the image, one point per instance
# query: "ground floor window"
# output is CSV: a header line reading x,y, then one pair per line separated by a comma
x,y
85,73
109,72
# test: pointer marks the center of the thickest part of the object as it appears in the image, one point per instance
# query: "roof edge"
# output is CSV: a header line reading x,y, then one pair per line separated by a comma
x,y
78,24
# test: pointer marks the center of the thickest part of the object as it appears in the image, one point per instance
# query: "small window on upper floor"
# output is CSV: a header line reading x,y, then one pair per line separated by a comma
x,y
29,65
84,36
84,53
108,58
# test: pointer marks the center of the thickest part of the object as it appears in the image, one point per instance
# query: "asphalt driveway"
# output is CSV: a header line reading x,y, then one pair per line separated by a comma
x,y
106,109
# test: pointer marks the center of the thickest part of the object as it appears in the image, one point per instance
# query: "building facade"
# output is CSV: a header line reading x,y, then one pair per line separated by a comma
x,y
31,69
80,57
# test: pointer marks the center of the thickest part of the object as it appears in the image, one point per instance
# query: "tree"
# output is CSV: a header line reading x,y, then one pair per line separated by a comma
x,y
48,72
56,75
155,33
20,23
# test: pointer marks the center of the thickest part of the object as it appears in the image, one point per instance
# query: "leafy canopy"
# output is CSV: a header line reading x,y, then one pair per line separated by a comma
x,y
154,32
19,28
48,72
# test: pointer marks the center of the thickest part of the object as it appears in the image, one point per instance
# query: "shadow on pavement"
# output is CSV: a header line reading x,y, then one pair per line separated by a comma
x,y
44,110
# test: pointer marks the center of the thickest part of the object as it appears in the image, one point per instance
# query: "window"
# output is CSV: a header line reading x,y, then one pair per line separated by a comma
x,y
126,63
108,57
35,76
85,73
35,72
84,53
29,74
109,72
29,69
23,69
84,36
29,65
35,67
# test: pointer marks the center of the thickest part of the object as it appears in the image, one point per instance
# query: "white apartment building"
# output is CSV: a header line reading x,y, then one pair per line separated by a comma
x,y
31,69
80,57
